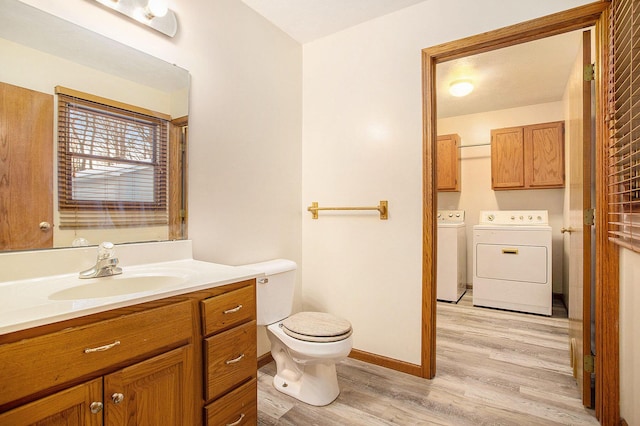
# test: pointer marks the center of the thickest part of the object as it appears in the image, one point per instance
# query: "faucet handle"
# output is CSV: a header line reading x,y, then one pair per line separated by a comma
x,y
106,250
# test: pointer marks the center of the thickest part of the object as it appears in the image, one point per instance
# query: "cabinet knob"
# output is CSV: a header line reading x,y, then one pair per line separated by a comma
x,y
117,398
96,407
44,226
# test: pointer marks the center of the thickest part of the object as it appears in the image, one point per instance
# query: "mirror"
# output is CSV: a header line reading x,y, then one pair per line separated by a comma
x,y
41,52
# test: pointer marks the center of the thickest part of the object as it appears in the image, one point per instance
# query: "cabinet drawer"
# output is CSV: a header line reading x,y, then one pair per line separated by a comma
x,y
239,407
52,360
226,310
230,359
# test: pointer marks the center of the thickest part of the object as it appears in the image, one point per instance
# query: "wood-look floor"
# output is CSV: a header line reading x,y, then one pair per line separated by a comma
x,y
493,368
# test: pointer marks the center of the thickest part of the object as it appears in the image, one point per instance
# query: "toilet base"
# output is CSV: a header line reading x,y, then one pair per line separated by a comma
x,y
314,384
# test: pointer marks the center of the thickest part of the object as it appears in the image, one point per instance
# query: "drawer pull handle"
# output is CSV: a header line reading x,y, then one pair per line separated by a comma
x,y
237,422
231,311
233,361
102,348
509,251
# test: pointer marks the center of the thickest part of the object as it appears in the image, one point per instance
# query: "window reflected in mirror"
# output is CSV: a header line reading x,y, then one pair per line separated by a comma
x,y
109,166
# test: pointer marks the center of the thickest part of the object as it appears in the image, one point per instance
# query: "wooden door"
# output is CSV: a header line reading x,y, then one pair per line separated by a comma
x,y
26,168
70,407
580,233
157,391
507,148
544,144
448,163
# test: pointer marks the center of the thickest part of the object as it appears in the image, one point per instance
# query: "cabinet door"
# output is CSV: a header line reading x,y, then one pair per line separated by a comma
x,y
507,158
157,391
545,155
70,407
448,163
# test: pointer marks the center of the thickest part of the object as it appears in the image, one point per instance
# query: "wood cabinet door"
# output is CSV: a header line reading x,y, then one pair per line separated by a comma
x,y
507,158
70,407
545,155
448,163
26,168
157,391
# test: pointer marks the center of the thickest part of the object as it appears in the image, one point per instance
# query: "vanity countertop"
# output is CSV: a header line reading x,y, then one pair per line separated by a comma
x,y
43,300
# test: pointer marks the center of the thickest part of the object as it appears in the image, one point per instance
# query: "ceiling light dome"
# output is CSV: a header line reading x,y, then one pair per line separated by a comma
x,y
461,88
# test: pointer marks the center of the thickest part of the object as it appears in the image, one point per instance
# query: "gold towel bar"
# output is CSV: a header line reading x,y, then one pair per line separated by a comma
x,y
383,208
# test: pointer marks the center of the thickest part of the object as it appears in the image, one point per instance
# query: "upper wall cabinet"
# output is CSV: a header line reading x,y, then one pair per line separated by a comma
x,y
528,157
448,163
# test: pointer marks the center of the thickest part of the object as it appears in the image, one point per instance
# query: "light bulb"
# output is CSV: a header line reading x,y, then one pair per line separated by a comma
x,y
156,8
461,88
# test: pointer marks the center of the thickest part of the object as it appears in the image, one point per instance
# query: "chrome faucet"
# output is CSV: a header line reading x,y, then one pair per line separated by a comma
x,y
106,264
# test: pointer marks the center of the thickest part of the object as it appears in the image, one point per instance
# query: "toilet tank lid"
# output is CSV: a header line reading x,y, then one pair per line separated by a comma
x,y
271,267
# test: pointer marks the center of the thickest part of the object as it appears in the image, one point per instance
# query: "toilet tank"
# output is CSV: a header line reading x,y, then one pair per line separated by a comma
x,y
274,290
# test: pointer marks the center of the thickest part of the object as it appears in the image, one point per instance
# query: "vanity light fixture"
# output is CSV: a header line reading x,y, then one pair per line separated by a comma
x,y
460,88
152,13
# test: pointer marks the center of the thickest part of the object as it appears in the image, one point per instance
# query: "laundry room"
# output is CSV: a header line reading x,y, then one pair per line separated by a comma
x,y
478,169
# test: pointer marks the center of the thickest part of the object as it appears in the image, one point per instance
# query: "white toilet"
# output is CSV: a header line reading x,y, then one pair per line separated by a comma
x,y
305,346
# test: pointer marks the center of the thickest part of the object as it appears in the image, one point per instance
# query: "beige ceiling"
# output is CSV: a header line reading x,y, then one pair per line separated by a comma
x,y
308,20
526,74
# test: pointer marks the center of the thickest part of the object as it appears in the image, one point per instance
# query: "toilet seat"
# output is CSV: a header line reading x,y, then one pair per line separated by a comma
x,y
318,327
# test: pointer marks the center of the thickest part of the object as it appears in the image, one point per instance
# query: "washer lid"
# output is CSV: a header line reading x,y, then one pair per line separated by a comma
x,y
316,327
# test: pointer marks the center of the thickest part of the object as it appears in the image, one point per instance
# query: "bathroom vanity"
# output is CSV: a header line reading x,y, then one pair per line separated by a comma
x,y
184,354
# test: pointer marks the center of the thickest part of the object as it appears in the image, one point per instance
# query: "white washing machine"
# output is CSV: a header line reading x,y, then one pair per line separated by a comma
x,y
512,261
452,256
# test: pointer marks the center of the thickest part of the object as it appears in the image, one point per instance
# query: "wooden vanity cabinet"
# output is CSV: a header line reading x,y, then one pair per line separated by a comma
x,y
528,157
69,407
448,163
144,364
230,357
153,392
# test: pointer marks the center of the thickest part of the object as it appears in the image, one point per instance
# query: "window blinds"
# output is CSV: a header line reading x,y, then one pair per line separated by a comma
x,y
624,141
112,166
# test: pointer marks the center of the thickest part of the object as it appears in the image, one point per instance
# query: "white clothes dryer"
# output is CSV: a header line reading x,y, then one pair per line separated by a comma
x,y
512,261
452,256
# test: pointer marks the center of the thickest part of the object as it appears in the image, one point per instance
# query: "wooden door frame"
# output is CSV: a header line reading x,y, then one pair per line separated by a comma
x,y
607,266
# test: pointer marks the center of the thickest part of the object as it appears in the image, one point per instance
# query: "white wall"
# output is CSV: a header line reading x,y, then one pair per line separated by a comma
x,y
476,193
362,142
629,336
244,123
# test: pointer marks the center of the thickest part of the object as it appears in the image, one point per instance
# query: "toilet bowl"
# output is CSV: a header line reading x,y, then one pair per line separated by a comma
x,y
305,346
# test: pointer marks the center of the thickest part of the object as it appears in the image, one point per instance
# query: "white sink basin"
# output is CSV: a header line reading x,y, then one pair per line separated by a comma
x,y
116,286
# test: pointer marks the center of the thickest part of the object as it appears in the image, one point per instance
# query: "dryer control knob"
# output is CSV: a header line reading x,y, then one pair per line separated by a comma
x,y
530,217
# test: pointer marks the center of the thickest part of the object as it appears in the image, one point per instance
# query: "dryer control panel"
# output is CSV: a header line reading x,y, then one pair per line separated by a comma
x,y
514,217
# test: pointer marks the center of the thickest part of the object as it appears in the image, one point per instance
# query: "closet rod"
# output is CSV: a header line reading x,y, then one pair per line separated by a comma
x,y
477,144
383,208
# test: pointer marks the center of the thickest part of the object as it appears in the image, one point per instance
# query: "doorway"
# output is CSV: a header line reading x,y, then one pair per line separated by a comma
x,y
574,19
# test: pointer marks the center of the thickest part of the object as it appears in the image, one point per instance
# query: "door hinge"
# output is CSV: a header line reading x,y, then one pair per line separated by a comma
x,y
589,72
182,214
589,363
589,217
